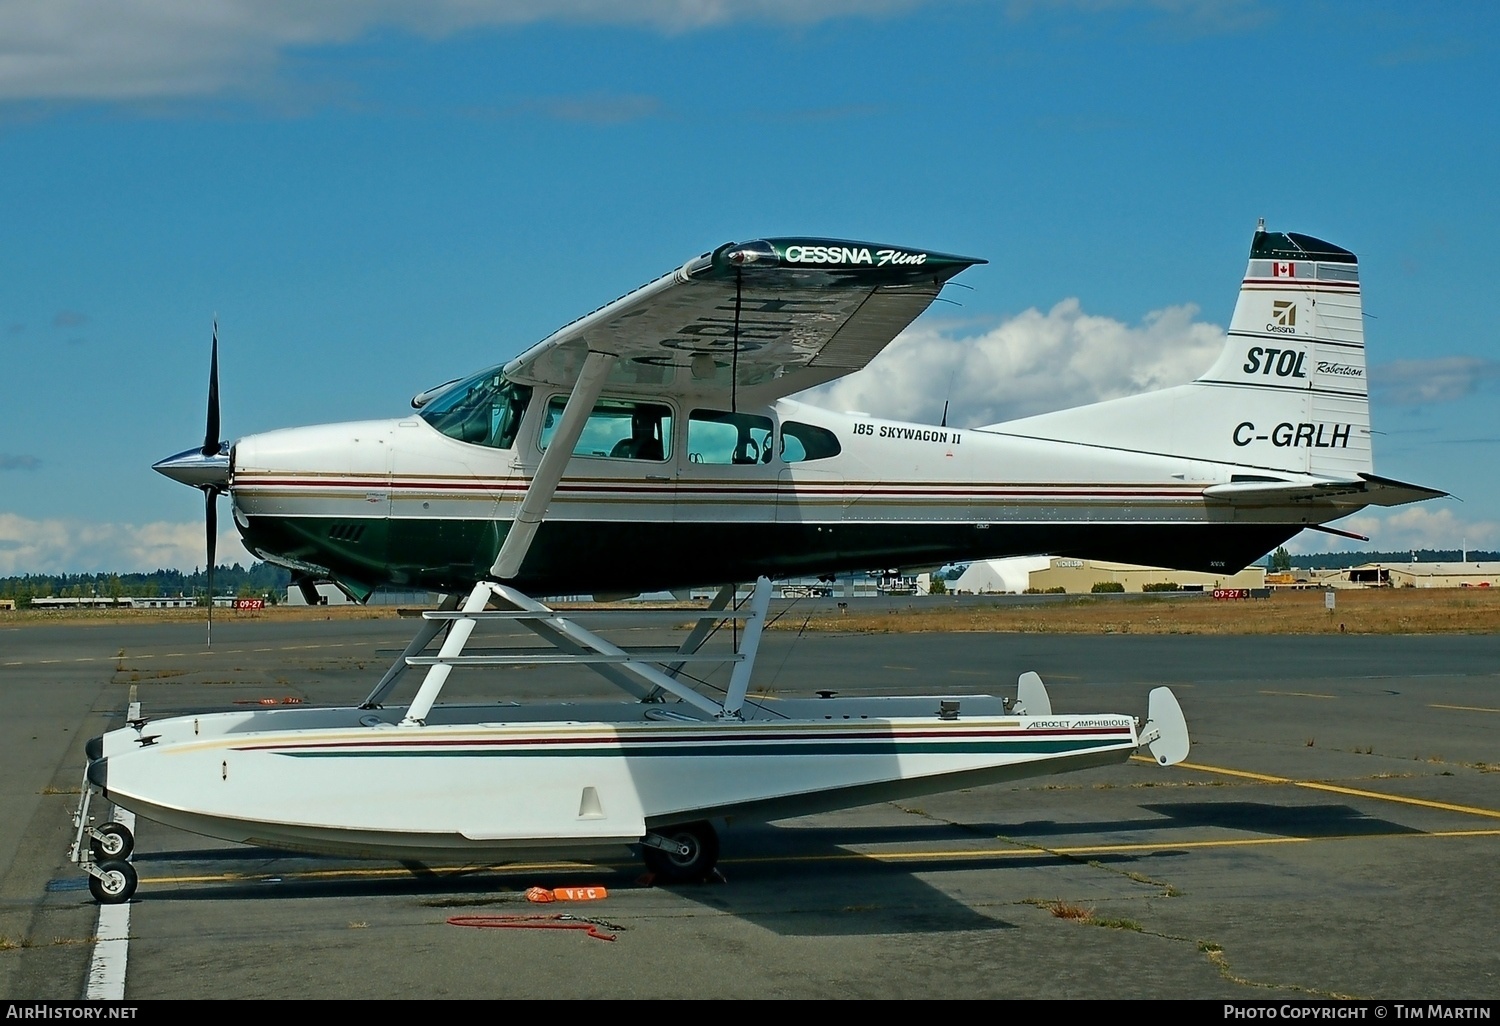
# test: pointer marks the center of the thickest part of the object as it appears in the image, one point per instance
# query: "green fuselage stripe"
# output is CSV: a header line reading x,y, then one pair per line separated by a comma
x,y
580,557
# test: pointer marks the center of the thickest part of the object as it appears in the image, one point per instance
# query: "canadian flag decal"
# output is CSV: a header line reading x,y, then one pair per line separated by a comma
x,y
1283,270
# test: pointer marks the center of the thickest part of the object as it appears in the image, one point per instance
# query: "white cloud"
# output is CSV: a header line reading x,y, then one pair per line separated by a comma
x,y
137,49
1032,363
76,546
1405,527
1439,380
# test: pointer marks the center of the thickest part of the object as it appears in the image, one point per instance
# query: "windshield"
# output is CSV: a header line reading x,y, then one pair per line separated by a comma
x,y
483,410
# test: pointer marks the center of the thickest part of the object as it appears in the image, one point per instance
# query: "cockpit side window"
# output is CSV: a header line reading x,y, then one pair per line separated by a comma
x,y
717,437
801,442
483,410
617,428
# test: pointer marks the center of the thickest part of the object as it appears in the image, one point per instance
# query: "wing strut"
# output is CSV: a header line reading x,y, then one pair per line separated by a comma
x,y
554,461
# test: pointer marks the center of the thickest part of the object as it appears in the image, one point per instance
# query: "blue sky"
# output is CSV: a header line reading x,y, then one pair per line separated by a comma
x,y
374,198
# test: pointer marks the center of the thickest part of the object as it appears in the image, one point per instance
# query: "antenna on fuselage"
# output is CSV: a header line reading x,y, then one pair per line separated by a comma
x,y
734,359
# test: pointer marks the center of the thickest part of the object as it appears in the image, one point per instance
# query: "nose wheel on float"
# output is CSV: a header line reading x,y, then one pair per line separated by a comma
x,y
112,841
101,852
111,883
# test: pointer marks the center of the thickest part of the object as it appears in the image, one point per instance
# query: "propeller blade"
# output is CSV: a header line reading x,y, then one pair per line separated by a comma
x,y
211,517
211,431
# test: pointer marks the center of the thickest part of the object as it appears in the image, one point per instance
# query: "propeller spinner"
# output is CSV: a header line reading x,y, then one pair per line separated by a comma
x,y
206,468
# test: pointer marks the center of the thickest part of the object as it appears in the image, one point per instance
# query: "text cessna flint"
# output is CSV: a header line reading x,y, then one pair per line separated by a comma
x,y
851,255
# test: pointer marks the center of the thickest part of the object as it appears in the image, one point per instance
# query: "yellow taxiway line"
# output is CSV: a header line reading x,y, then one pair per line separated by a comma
x,y
962,854
1355,792
955,855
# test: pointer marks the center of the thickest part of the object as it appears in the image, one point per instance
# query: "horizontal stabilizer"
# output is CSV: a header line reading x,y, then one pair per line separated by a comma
x,y
1387,492
1360,491
1166,732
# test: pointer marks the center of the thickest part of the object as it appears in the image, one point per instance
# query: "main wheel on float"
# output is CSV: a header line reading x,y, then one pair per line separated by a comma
x,y
694,853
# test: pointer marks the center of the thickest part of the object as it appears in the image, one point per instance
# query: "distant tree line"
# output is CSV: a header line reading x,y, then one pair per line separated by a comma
x,y
261,580
1282,560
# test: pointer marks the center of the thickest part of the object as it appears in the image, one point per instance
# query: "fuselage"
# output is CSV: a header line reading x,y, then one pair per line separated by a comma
x,y
714,496
678,474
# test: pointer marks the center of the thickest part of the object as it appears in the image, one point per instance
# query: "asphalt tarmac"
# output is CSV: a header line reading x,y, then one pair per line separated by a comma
x,y
1334,833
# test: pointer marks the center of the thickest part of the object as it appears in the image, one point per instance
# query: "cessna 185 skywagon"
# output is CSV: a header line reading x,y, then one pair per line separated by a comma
x,y
653,444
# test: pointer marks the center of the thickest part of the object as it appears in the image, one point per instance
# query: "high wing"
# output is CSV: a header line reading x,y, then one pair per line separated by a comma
x,y
750,322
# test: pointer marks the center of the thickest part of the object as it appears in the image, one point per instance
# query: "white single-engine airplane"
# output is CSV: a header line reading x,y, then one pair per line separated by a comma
x,y
652,444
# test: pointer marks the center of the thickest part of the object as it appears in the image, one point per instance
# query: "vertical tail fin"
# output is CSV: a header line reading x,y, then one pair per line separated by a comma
x,y
1297,344
1288,392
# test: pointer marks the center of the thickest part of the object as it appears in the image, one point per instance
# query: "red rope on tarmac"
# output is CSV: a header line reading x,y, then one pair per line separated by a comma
x,y
552,922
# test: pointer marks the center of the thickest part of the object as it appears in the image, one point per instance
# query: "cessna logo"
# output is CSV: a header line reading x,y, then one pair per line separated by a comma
x,y
851,255
1284,363
1283,317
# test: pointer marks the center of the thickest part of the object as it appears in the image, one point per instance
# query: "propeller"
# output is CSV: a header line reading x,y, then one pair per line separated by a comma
x,y
211,442
206,468
211,490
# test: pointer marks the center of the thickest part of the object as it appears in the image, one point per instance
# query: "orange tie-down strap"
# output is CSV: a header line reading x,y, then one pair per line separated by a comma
x,y
560,921
542,895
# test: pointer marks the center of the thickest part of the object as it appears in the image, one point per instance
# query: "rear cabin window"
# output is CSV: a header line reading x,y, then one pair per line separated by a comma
x,y
719,438
800,442
617,429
